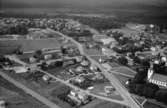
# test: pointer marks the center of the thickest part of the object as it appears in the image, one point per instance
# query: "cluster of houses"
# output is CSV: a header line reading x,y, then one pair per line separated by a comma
x,y
78,97
52,23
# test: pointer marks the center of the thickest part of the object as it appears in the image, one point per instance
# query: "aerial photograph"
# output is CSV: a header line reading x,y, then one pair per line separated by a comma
x,y
83,53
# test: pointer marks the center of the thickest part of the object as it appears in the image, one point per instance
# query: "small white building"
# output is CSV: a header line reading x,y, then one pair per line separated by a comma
x,y
46,78
32,60
78,97
79,58
107,66
108,52
79,79
85,63
79,69
107,41
2,104
47,57
109,89
20,69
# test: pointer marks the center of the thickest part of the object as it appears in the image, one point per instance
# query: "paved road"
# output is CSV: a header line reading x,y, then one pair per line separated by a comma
x,y
114,81
84,91
14,58
29,91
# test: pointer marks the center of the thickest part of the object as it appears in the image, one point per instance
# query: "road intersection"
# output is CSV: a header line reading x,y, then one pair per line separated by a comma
x,y
128,99
113,80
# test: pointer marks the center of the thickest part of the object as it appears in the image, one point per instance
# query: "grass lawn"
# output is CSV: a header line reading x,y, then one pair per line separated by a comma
x,y
25,57
125,71
151,105
98,57
121,78
113,64
163,36
18,98
99,90
92,51
60,72
41,87
97,103
28,45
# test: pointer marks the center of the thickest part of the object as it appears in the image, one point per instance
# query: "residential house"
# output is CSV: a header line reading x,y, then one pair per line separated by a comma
x,y
78,97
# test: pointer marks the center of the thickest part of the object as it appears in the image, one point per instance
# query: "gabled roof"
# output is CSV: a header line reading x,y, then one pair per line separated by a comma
x,y
159,77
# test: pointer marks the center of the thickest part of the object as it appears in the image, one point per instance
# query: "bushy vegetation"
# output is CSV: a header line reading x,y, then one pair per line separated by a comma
x,y
18,29
100,23
84,33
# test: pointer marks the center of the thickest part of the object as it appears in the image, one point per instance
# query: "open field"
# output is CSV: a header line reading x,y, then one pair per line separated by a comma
x,y
41,87
96,57
121,78
163,37
151,105
25,57
99,90
61,72
16,97
126,71
92,51
97,103
29,45
114,64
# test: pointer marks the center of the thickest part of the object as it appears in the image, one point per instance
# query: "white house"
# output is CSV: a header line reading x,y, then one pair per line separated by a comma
x,y
20,69
107,41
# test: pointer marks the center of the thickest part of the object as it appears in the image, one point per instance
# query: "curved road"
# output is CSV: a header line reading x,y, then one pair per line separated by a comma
x,y
113,80
14,58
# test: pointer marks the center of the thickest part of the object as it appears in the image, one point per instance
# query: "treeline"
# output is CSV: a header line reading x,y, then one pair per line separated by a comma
x,y
85,33
99,23
18,29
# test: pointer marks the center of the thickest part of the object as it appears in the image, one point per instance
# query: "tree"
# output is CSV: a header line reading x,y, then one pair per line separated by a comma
x,y
139,88
149,92
132,87
38,54
63,50
44,66
59,63
161,95
19,50
145,63
136,59
61,91
123,60
140,77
